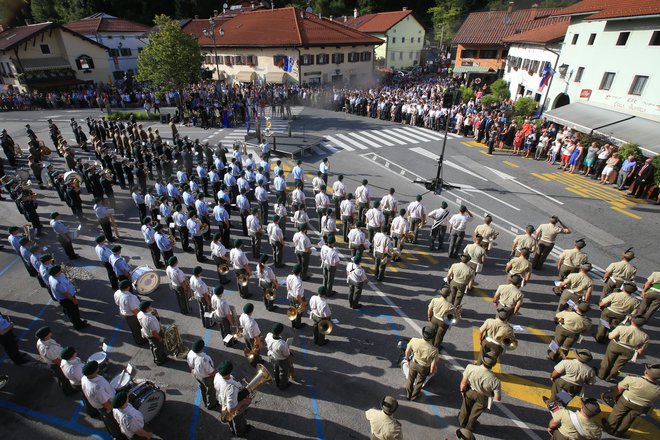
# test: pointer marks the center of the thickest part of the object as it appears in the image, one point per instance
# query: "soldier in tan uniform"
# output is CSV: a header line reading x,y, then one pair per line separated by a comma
x,y
520,265
382,423
571,375
625,340
509,295
476,252
576,287
571,324
496,334
570,425
545,236
571,259
618,272
634,396
478,385
487,232
460,278
438,311
425,357
616,306
524,241
650,297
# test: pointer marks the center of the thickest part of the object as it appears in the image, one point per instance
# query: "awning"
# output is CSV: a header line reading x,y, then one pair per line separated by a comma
x,y
31,65
619,128
245,76
276,77
472,69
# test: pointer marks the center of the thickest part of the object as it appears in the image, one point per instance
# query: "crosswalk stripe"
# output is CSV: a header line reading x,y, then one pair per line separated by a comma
x,y
425,133
401,136
411,135
454,135
386,143
319,151
366,141
424,152
340,143
353,141
328,147
392,138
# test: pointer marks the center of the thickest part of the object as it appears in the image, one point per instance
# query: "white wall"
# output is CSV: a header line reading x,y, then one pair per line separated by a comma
x,y
132,41
521,77
406,52
635,58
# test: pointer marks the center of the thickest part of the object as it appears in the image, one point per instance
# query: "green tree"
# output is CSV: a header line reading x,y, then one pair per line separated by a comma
x,y
524,106
366,6
488,100
500,88
467,93
445,16
172,59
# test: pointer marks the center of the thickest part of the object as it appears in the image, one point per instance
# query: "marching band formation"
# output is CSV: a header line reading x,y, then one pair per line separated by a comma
x,y
174,213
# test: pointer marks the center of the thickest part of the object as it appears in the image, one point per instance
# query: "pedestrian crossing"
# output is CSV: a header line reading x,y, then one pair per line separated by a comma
x,y
387,137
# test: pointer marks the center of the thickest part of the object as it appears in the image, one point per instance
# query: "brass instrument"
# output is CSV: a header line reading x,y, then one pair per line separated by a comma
x,y
187,290
392,254
18,151
173,342
292,372
325,326
108,174
251,353
73,178
243,279
170,235
113,223
44,150
263,376
203,227
509,343
239,330
26,230
293,312
76,273
452,318
223,267
409,236
269,293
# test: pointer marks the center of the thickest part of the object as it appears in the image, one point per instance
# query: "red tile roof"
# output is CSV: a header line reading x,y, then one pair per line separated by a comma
x,y
379,22
92,25
492,27
281,27
542,35
16,35
603,9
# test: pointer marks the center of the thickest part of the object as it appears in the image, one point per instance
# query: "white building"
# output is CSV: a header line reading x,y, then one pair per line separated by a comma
x,y
529,54
608,79
124,39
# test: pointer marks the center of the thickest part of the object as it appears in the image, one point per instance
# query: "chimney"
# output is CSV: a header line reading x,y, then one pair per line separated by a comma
x,y
196,17
355,13
405,8
345,19
533,11
510,8
2,28
252,4
332,18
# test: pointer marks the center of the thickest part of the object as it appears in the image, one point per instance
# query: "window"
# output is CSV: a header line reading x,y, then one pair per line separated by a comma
x,y
322,58
623,38
534,67
490,54
468,53
410,56
606,82
278,60
365,56
655,39
563,69
140,49
393,56
306,60
337,58
45,49
578,75
400,55
393,40
403,40
637,86
219,59
419,39
118,75
228,60
84,62
208,59
525,64
592,38
113,52
575,39
251,60
353,57
126,52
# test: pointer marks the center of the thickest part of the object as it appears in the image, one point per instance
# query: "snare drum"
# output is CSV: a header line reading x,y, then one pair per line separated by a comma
x,y
148,399
122,382
100,357
145,280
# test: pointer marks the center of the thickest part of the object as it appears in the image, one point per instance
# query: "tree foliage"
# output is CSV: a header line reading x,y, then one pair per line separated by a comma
x,y
445,17
500,88
467,93
172,59
524,106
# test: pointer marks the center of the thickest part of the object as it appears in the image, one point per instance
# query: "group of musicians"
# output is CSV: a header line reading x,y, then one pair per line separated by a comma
x,y
378,228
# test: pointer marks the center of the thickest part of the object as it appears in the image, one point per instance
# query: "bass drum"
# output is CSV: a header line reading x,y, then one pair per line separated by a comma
x,y
145,280
122,382
148,399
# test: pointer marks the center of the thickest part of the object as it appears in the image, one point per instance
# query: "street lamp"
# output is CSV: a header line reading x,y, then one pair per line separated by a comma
x,y
210,32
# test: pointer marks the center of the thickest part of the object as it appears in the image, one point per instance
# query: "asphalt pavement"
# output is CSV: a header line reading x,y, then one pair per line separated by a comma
x,y
337,382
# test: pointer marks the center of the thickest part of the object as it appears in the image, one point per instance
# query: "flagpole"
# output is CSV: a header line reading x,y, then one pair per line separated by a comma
x,y
554,68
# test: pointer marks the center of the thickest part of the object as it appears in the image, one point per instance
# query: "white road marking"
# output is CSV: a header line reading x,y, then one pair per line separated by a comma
x,y
365,140
329,147
449,163
409,134
352,141
340,143
400,136
319,151
385,142
506,176
391,138
426,133
465,190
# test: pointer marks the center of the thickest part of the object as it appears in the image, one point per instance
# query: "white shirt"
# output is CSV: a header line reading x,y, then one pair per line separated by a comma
x,y
198,287
294,287
362,194
278,349
356,237
274,233
72,370
329,256
266,274
338,189
97,390
148,234
355,273
319,307
129,419
388,203
218,249
253,225
227,391
48,350
297,196
400,226
149,324
322,201
347,208
440,214
175,275
301,242
375,218
316,183
416,210
381,243
127,302
250,326
237,258
300,217
459,221
220,307
328,225
201,364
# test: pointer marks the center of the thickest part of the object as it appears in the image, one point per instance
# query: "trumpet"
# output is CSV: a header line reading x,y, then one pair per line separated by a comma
x,y
170,235
263,376
325,326
293,312
173,342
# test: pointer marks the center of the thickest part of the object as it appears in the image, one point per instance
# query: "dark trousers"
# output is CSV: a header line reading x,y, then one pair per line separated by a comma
x,y
278,251
640,188
106,227
142,211
560,384
455,242
62,381
208,391
270,305
280,372
440,331
346,222
72,311
67,244
255,239
615,358
362,207
303,260
10,343
355,293
183,234
471,408
136,329
198,242
155,254
613,319
242,290
204,307
167,254
415,226
379,267
416,377
111,424
181,299
296,323
650,303
439,235
564,340
222,278
490,348
456,292
238,424
623,415
319,338
329,278
30,269
111,275
157,350
544,250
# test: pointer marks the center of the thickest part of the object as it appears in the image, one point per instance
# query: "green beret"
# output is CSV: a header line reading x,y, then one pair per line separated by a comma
x,y
23,240
159,227
322,290
376,204
54,214
217,236
43,332
124,284
443,205
218,290
67,353
248,308
357,259
13,229
100,238
225,367
90,367
54,270
119,399
297,268
198,345
172,261
276,218
116,248
277,328
144,305
238,242
418,198
331,239
197,270
34,248
263,258
146,220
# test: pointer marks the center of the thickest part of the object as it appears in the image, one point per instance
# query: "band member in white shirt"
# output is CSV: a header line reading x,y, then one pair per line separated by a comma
x,y
388,204
295,293
363,198
328,225
347,212
457,224
417,215
303,248
440,218
355,277
251,331
276,240
49,351
130,420
99,393
222,313
338,191
152,331
280,210
357,241
233,397
201,292
219,256
129,306
375,220
279,355
322,202
300,217
382,248
201,367
400,227
240,265
267,281
149,233
178,284
255,231
297,196
329,262
320,310
72,369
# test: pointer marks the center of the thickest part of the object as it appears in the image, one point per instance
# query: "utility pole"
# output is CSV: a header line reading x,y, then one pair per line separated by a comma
x,y
210,32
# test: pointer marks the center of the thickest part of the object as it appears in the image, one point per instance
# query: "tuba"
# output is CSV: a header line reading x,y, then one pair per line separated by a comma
x,y
173,342
325,326
251,354
293,312
509,343
223,267
243,279
73,178
452,317
239,330
263,376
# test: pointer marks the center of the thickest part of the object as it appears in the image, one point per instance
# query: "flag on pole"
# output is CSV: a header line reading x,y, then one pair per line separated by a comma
x,y
545,78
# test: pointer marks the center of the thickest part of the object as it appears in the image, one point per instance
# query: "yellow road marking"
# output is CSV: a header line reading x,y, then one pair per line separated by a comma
x,y
540,334
483,295
574,191
485,152
623,211
540,177
511,164
429,257
467,144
